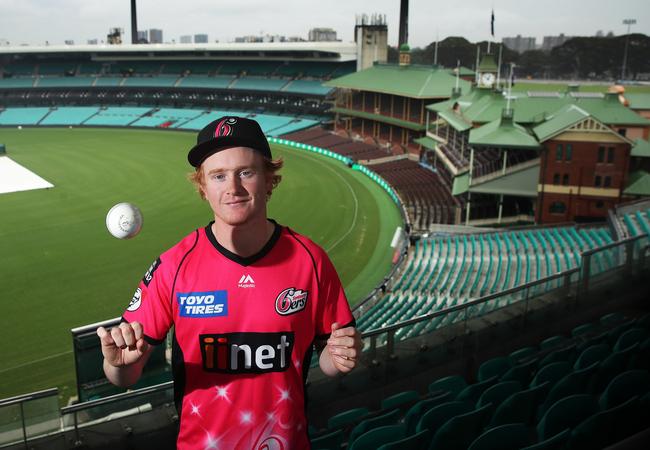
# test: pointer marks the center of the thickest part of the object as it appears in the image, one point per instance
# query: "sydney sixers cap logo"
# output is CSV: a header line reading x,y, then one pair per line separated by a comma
x,y
224,127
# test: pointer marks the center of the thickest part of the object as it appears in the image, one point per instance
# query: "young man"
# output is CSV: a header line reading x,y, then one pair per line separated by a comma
x,y
248,300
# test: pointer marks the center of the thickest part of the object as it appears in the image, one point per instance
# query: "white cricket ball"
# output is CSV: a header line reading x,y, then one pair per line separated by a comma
x,y
124,220
20,127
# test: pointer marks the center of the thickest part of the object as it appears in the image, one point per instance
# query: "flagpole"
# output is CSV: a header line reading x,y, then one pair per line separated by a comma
x,y
499,65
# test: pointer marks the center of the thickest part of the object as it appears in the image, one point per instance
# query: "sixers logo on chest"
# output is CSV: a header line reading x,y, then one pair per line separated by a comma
x,y
291,301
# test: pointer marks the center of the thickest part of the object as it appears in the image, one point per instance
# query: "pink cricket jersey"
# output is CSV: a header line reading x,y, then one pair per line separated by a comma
x,y
244,330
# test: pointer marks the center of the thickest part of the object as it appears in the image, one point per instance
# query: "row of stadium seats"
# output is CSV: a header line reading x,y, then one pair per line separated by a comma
x,y
313,87
447,271
184,119
321,70
583,391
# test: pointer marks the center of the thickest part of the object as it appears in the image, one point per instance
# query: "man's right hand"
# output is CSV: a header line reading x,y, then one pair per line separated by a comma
x,y
123,345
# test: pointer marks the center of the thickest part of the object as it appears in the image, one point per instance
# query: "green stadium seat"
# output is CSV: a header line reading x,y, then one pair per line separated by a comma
x,y
567,412
400,400
452,383
461,430
590,355
413,415
585,328
612,319
497,393
521,372
415,441
608,426
376,437
567,354
329,441
625,386
494,367
521,354
438,415
511,436
613,365
630,337
346,418
520,407
389,418
553,342
473,391
557,442
576,382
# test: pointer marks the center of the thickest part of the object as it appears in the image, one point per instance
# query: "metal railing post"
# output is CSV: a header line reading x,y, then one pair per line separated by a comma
x,y
390,344
22,419
584,275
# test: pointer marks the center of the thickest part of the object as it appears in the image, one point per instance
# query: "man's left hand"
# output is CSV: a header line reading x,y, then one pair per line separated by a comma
x,y
344,347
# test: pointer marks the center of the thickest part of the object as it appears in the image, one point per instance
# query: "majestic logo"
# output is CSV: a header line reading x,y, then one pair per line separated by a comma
x,y
135,301
246,352
291,301
149,275
203,304
246,281
224,127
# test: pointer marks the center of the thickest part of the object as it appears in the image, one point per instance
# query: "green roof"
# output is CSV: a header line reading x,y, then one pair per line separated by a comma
x,y
461,184
610,111
641,149
638,183
456,121
503,132
379,118
483,106
413,81
426,142
638,100
488,64
522,183
563,119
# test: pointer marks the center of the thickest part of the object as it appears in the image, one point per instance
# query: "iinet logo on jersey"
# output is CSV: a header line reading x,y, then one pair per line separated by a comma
x,y
246,352
246,281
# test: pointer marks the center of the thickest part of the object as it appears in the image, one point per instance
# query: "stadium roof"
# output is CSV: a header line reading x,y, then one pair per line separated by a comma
x,y
412,81
307,51
503,132
483,106
565,118
638,183
521,183
638,100
641,149
380,118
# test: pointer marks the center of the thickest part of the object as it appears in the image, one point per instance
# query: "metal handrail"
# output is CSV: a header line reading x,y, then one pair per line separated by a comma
x,y
28,397
469,304
117,397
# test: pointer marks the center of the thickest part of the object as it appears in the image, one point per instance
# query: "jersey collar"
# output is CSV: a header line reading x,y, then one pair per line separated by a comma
x,y
244,261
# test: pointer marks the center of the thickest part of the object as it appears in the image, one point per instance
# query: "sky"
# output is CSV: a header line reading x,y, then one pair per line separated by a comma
x,y
35,22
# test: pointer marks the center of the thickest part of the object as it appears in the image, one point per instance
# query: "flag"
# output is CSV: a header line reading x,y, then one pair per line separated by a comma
x,y
492,23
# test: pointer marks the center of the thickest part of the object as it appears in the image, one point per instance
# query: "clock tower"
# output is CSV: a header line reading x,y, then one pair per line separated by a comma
x,y
487,72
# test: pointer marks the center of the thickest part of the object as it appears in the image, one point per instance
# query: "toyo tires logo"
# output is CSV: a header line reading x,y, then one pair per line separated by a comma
x,y
290,301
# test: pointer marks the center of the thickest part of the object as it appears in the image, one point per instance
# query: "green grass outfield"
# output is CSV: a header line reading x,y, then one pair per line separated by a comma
x,y
60,268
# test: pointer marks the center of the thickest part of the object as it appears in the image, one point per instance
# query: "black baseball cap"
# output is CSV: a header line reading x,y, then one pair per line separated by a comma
x,y
227,132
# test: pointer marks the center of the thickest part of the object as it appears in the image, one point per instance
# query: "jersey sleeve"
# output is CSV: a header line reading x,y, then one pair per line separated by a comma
x,y
335,306
151,305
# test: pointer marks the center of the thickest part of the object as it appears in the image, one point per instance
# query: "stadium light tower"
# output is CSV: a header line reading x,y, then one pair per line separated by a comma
x,y
134,24
629,23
